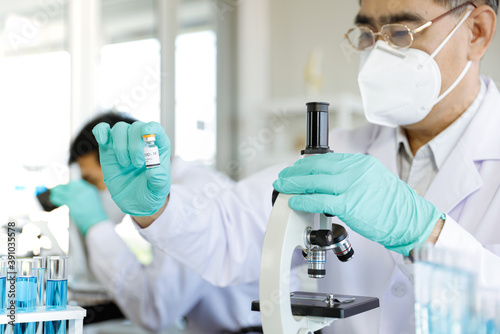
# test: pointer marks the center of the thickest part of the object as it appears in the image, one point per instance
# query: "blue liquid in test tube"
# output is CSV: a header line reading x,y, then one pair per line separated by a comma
x,y
56,291
40,277
3,289
56,294
25,302
40,286
3,286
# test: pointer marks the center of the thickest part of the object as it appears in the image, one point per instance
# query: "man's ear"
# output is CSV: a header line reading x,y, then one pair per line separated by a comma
x,y
482,24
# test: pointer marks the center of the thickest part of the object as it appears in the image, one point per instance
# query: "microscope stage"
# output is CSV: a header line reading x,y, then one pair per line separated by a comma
x,y
327,305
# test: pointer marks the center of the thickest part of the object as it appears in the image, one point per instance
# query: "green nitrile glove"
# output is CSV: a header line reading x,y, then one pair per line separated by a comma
x,y
82,199
364,194
136,190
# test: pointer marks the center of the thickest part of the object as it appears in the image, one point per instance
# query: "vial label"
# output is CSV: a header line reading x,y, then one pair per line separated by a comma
x,y
151,156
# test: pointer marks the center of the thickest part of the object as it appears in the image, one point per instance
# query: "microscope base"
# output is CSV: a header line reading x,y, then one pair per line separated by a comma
x,y
317,305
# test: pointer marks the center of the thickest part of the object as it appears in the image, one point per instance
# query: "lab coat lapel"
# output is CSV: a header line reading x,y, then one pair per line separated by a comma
x,y
480,142
460,168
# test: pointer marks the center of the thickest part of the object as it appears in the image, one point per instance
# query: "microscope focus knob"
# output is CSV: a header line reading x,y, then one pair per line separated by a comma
x,y
321,238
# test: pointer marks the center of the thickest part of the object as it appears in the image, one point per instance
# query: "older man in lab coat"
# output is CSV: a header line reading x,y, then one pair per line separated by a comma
x,y
434,124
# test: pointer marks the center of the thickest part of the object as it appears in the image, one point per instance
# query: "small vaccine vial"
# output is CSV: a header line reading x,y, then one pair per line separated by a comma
x,y
151,154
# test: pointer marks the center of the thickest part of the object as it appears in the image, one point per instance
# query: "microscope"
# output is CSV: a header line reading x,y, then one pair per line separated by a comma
x,y
285,312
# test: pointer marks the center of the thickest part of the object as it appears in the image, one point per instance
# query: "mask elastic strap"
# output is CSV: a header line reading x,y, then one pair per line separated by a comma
x,y
460,77
467,66
466,16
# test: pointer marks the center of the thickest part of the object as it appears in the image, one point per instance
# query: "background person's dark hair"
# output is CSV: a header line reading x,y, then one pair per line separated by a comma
x,y
455,3
85,142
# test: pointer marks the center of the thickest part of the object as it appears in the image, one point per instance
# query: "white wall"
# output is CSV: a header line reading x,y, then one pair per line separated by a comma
x,y
297,28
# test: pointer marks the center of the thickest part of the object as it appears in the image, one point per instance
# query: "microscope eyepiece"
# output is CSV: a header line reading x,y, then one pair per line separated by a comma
x,y
317,128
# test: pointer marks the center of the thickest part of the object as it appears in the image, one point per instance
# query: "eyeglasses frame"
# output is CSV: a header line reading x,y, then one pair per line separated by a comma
x,y
410,31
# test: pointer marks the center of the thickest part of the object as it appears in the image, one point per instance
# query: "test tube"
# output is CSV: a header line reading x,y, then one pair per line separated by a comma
x,y
3,290
40,287
40,279
444,292
56,291
488,310
25,294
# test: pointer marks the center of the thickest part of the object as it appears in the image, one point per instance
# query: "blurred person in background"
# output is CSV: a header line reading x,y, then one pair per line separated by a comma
x,y
152,296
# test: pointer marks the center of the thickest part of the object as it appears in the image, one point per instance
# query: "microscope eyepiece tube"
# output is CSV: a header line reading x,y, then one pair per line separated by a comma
x,y
317,128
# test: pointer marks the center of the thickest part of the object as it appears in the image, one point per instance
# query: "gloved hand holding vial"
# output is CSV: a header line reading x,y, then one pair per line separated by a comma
x,y
135,188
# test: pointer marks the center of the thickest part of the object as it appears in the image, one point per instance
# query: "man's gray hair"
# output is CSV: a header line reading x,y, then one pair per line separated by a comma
x,y
454,3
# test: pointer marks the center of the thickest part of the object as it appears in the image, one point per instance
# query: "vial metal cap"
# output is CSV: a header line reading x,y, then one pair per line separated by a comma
x,y
148,138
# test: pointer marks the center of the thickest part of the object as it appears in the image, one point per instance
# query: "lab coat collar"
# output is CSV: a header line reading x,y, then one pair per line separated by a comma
x,y
482,138
481,141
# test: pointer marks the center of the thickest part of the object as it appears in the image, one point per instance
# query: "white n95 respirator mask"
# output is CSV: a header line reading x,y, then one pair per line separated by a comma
x,y
400,87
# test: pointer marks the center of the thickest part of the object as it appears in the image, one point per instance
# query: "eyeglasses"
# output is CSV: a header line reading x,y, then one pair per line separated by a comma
x,y
399,36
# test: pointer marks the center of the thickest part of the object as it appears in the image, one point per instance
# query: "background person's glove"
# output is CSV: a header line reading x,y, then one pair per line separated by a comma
x,y
364,194
136,190
82,199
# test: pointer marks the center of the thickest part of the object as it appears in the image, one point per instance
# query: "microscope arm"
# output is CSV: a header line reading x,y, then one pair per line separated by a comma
x,y
285,232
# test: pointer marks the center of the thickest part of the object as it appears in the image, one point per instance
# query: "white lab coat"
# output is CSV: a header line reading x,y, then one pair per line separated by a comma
x,y
229,232
156,295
